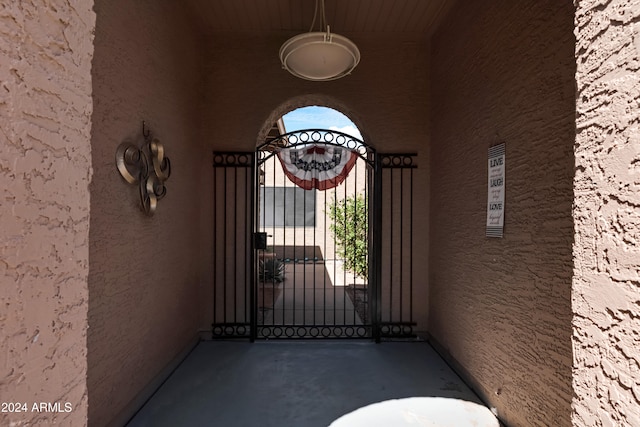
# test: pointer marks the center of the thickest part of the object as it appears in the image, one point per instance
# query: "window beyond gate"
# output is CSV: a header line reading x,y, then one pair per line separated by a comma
x,y
287,207
298,255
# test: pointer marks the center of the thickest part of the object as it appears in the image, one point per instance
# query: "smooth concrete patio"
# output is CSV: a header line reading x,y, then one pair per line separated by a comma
x,y
312,293
295,383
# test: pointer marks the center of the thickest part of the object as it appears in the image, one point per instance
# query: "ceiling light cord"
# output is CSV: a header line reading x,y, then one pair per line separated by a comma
x,y
323,19
315,13
324,16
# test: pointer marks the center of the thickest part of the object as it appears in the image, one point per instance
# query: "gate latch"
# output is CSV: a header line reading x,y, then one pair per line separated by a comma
x,y
260,240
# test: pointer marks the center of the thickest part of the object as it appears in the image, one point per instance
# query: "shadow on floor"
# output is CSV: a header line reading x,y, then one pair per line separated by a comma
x,y
306,296
294,383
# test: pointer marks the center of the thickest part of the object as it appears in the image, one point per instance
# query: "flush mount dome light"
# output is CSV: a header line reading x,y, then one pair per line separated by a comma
x,y
319,56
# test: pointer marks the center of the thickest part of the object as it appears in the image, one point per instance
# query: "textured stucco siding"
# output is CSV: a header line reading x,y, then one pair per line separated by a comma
x,y
45,168
606,284
144,271
386,97
501,308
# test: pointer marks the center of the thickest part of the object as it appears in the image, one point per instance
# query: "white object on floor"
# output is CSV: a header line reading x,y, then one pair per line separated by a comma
x,y
419,412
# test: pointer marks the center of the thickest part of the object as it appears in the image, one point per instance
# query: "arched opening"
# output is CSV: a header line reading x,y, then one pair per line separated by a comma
x,y
314,233
342,116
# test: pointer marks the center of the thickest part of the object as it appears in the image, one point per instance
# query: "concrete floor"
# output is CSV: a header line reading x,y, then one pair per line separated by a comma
x,y
308,296
294,383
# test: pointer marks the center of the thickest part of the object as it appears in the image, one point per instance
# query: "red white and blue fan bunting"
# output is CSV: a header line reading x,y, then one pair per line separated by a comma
x,y
317,166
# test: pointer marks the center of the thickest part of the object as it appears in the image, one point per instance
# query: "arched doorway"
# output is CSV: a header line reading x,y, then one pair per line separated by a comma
x,y
313,239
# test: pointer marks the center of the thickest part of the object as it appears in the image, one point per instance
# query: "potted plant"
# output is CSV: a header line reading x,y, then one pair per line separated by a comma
x,y
271,270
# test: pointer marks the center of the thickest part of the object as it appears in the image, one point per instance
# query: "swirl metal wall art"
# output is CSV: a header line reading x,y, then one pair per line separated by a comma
x,y
146,166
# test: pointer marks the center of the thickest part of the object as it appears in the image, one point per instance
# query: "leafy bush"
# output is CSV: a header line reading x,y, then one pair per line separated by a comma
x,y
349,227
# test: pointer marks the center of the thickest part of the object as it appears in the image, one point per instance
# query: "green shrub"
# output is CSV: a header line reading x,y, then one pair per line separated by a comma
x,y
349,227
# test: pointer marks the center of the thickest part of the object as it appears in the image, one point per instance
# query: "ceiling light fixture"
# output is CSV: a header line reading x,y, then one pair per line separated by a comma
x,y
319,56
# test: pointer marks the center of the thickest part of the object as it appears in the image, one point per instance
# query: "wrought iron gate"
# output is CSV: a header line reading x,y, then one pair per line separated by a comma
x,y
294,262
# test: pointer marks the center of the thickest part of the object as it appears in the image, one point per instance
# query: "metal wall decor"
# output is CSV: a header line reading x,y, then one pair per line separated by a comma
x,y
146,166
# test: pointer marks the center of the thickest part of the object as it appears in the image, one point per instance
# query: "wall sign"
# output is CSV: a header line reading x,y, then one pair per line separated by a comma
x,y
496,191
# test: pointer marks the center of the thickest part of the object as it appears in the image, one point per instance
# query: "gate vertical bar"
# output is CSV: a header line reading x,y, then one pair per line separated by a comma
x,y
391,226
324,256
401,241
284,248
235,246
376,288
215,243
273,241
356,207
411,246
346,249
248,270
304,259
224,245
252,228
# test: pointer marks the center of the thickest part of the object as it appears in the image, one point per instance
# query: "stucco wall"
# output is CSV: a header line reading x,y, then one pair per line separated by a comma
x,y
607,216
501,308
386,97
144,272
45,168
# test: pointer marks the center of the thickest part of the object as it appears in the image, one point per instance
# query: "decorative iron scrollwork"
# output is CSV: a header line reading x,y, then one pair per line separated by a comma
x,y
324,137
147,166
398,160
313,332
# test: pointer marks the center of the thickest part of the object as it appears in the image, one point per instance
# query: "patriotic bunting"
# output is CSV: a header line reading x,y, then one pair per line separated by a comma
x,y
318,166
